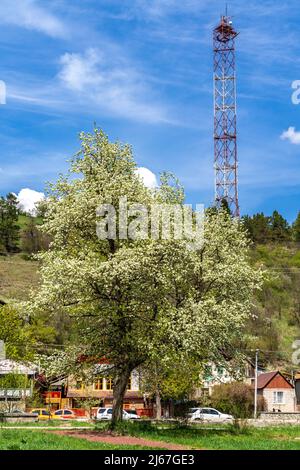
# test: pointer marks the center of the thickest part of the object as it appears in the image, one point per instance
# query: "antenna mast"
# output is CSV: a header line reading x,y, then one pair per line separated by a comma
x,y
225,132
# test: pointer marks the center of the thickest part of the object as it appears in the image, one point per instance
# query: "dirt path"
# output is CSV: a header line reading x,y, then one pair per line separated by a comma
x,y
120,440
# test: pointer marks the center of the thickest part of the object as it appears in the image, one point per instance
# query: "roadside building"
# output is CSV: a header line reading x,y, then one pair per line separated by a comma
x,y
214,375
16,383
278,392
71,392
101,388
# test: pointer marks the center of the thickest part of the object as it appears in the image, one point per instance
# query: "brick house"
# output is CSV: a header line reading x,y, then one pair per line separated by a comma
x,y
278,392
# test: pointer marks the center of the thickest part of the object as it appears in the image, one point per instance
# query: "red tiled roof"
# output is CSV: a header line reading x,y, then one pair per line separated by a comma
x,y
264,379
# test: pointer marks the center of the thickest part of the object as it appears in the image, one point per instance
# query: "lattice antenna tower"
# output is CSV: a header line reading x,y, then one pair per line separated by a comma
x,y
225,128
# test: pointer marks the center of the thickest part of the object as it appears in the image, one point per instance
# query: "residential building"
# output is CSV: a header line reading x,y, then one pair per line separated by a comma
x,y
218,374
16,382
102,388
278,392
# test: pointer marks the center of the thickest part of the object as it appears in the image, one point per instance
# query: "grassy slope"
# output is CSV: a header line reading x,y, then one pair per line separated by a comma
x,y
17,276
23,221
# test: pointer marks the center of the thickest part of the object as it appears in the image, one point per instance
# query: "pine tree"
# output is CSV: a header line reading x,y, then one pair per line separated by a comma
x,y
280,229
9,230
258,227
296,229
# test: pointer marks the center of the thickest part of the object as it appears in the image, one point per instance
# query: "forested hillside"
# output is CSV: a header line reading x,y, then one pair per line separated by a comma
x,y
275,245
276,322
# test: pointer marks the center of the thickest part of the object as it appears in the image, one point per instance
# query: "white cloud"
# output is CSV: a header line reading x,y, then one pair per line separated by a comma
x,y
31,14
149,178
292,135
108,81
80,71
28,198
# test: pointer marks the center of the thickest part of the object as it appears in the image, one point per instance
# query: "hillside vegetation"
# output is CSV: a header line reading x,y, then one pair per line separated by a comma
x,y
275,324
17,277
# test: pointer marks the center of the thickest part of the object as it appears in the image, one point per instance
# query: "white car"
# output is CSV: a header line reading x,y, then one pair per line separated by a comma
x,y
208,414
191,412
130,414
106,414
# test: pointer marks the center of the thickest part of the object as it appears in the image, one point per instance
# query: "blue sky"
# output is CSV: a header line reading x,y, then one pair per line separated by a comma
x,y
142,69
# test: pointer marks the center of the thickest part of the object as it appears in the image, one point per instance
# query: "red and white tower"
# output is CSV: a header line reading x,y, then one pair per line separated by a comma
x,y
225,134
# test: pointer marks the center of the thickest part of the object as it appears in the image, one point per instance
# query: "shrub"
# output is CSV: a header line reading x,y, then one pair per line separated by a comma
x,y
237,399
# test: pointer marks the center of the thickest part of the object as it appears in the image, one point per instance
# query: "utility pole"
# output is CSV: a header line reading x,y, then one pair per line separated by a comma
x,y
255,383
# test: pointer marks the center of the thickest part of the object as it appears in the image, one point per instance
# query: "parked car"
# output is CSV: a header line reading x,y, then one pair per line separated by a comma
x,y
209,414
65,413
130,414
191,412
106,414
43,414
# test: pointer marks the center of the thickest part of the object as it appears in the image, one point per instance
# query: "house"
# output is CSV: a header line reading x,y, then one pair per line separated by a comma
x,y
217,375
102,388
278,392
70,392
16,382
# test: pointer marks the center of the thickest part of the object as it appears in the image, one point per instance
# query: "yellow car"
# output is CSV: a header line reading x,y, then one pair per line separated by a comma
x,y
43,414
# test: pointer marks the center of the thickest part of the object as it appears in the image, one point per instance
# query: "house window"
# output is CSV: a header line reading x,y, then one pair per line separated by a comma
x,y
129,384
109,384
79,385
208,373
278,398
98,384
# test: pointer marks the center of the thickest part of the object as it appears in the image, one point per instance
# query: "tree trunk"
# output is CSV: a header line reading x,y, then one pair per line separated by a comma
x,y
171,405
158,405
120,384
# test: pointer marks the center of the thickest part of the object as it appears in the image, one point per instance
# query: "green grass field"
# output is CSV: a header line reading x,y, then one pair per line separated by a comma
x,y
52,423
271,438
42,440
206,438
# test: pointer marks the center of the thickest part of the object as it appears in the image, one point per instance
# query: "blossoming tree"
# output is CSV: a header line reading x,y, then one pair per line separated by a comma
x,y
139,300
